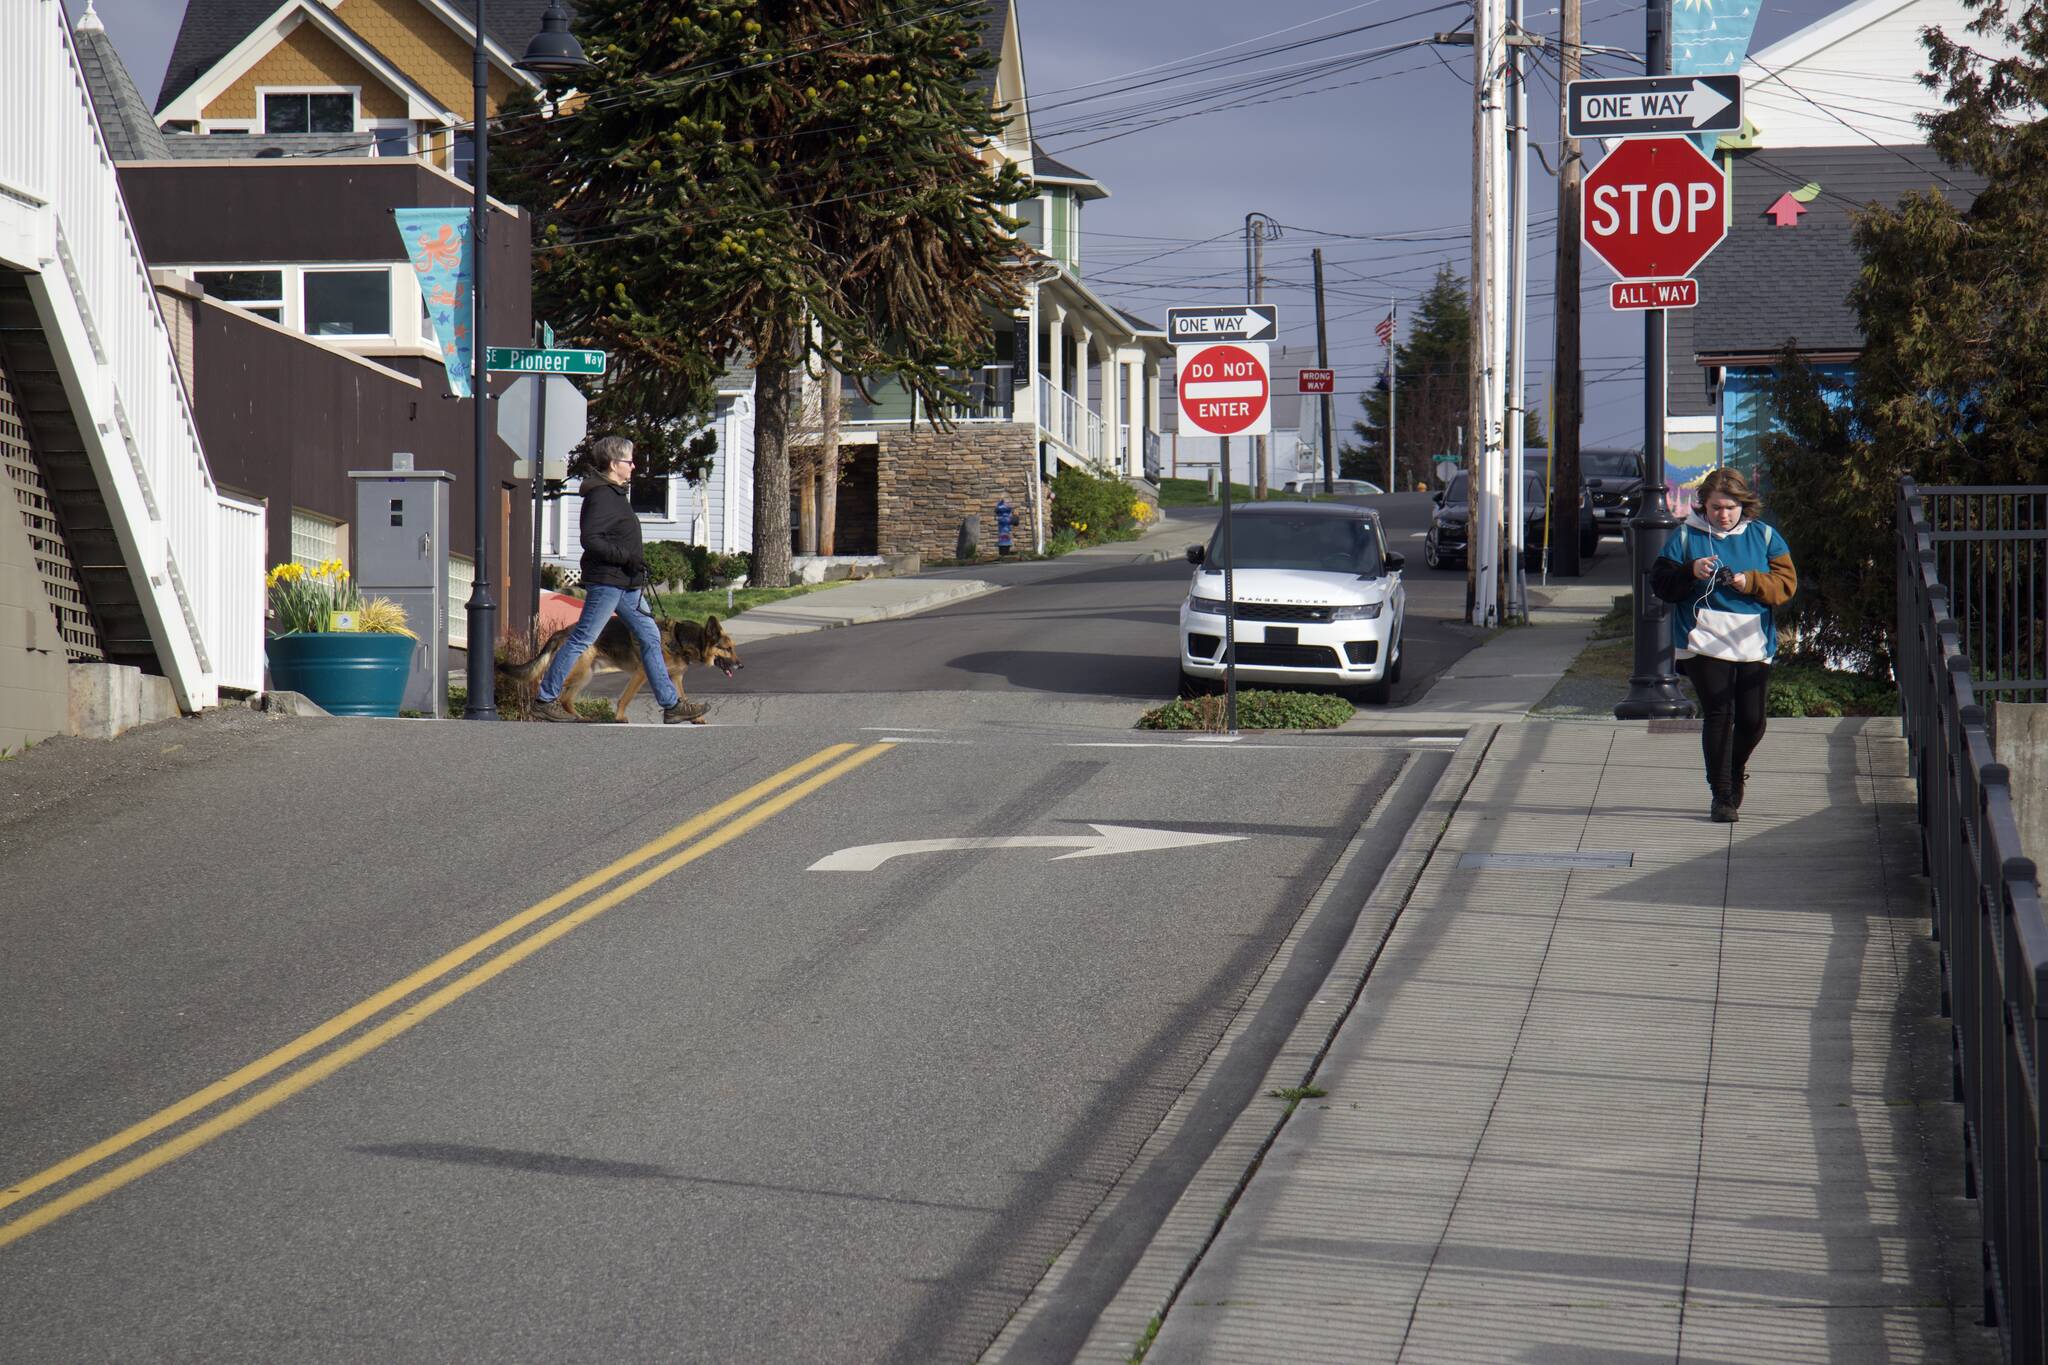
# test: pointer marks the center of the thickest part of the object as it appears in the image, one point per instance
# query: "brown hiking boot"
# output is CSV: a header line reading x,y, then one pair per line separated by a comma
x,y
684,710
554,710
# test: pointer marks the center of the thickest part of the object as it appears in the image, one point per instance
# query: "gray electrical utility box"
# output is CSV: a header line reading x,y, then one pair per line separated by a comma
x,y
401,547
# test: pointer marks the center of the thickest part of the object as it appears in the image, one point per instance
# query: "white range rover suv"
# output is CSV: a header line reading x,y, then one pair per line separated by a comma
x,y
1319,601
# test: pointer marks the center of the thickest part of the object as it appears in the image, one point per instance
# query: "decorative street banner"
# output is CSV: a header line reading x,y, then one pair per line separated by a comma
x,y
1707,37
437,241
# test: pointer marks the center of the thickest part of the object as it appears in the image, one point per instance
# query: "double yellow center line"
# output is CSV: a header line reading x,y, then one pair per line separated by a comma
x,y
718,826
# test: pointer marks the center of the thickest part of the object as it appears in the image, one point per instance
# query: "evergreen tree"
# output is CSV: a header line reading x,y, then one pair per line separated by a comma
x,y
1947,389
1430,371
779,179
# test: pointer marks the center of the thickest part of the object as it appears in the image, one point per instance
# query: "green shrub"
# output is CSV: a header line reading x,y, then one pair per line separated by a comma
x,y
1256,710
670,564
1802,685
1088,504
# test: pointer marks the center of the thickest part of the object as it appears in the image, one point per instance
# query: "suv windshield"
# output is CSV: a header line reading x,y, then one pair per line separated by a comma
x,y
1458,487
1609,464
1316,543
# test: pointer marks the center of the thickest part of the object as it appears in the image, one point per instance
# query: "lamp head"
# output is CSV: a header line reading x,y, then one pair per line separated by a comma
x,y
554,50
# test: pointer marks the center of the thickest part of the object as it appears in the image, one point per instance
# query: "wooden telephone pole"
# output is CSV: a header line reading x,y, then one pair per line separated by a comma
x,y
1567,399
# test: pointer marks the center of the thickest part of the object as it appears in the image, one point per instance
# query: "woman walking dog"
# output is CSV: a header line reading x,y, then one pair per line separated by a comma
x,y
1724,571
614,574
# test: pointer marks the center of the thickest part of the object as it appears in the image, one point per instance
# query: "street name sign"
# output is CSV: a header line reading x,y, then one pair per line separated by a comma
x,y
1627,294
534,360
1646,106
1317,381
1235,322
1654,208
1225,390
559,413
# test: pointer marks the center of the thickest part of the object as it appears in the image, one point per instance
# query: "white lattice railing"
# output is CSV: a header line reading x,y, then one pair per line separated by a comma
x,y
1068,420
64,224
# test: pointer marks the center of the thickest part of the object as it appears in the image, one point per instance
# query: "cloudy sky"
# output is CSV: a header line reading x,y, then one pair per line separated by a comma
x,y
1194,113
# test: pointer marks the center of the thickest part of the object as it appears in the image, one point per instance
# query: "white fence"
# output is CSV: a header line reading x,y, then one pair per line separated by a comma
x,y
64,224
1068,420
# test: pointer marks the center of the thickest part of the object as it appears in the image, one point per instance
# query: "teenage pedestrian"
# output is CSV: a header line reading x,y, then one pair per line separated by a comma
x,y
1724,571
614,579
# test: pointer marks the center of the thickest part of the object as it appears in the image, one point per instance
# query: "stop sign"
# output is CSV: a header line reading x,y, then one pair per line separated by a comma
x,y
1224,388
1654,208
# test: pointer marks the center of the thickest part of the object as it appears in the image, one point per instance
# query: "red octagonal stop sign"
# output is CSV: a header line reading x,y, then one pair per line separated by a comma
x,y
1654,208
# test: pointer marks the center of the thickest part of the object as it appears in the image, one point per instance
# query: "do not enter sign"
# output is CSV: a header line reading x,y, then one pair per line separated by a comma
x,y
1225,389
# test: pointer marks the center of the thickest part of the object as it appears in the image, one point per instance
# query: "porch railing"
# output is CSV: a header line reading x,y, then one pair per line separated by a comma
x,y
1988,919
1069,421
64,224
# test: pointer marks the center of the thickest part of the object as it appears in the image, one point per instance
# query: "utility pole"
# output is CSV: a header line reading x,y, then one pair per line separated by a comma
x,y
1328,402
1565,395
1514,583
1485,443
1265,443
1653,689
1393,396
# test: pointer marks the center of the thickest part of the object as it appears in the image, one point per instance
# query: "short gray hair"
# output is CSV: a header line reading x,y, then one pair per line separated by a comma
x,y
607,451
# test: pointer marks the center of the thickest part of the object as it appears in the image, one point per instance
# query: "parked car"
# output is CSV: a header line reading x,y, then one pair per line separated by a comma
x,y
1343,488
1445,541
1319,601
1614,486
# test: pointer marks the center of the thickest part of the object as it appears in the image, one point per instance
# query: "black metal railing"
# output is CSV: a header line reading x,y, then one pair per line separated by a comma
x,y
1993,938
1991,554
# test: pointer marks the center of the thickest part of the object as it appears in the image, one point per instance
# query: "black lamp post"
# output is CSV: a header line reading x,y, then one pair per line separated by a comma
x,y
554,51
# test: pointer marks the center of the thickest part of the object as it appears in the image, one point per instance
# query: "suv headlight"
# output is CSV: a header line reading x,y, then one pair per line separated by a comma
x,y
1365,612
1212,605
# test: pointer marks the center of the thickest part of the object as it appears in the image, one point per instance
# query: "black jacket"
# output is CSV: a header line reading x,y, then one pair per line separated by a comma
x,y
612,555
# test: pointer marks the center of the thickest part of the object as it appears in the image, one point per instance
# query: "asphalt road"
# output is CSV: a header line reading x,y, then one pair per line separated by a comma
x,y
699,1101
1087,628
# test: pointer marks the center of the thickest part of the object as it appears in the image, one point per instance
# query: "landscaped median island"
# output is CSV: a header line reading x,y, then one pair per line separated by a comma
x,y
1801,684
1256,710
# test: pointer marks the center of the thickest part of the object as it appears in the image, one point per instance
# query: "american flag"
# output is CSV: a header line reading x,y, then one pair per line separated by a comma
x,y
1385,331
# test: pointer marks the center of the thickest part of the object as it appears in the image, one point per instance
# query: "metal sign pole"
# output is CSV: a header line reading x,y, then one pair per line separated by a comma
x,y
1229,606
536,468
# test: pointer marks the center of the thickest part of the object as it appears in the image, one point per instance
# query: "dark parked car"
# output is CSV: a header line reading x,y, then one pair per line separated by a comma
x,y
1614,486
1446,539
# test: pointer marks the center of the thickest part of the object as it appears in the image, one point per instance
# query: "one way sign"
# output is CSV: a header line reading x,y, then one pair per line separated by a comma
x,y
1645,106
1238,322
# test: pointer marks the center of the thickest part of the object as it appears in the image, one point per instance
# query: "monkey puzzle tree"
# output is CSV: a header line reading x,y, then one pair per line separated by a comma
x,y
798,180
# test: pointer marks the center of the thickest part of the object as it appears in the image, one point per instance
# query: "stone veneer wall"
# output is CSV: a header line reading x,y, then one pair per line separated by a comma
x,y
929,480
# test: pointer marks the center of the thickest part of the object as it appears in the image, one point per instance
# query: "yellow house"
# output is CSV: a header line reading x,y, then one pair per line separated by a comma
x,y
335,77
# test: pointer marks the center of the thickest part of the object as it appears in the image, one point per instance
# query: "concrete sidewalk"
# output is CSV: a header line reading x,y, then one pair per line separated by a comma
x,y
1691,1106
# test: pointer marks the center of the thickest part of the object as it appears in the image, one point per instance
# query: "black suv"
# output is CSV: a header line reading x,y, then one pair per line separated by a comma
x,y
1446,539
1614,486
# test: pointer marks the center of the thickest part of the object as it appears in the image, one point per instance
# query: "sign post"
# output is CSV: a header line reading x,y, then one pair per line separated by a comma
x,y
1223,382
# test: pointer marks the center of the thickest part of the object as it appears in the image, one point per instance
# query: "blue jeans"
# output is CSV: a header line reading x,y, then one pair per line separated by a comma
x,y
599,602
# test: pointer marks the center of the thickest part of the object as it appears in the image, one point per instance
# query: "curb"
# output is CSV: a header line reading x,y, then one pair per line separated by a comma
x,y
1202,1208
958,590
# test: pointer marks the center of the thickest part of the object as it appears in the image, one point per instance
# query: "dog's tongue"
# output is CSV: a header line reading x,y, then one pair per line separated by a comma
x,y
726,669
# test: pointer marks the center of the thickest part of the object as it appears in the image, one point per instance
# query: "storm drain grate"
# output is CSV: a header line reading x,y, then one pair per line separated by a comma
x,y
1569,862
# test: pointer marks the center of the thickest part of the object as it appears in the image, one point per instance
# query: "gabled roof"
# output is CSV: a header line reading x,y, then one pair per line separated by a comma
x,y
1047,169
132,135
214,28
995,30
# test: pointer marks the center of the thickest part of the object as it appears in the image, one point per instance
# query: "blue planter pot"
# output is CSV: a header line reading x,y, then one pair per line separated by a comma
x,y
346,673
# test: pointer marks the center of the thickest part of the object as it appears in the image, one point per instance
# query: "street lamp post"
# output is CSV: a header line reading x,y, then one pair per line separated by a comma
x,y
553,51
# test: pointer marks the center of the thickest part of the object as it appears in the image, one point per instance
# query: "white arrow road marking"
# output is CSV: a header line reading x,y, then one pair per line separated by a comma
x,y
1253,324
1704,102
1106,840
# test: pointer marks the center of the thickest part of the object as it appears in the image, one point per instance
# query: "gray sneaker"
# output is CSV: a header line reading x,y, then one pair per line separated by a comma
x,y
554,710
683,710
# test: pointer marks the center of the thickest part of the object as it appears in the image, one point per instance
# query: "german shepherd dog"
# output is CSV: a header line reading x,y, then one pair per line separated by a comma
x,y
615,650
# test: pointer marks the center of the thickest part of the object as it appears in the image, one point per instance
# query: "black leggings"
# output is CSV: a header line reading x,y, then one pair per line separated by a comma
x,y
1733,695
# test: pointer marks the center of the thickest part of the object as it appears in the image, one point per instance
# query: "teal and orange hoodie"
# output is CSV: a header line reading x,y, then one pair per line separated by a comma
x,y
1720,622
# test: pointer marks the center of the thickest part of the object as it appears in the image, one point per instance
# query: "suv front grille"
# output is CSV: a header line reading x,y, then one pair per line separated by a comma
x,y
1280,611
1286,656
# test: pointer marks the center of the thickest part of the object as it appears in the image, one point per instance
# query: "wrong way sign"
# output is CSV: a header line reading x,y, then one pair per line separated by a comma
x,y
1225,390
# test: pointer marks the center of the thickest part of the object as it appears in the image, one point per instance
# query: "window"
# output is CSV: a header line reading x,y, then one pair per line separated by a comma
x,y
309,113
392,140
315,539
349,303
650,497
1032,212
461,582
462,160
259,291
